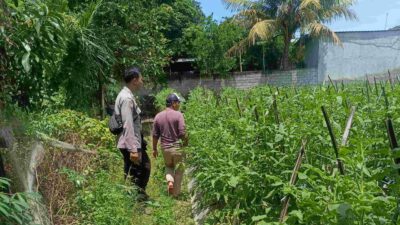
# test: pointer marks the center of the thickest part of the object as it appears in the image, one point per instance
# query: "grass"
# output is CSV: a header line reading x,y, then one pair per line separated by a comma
x,y
161,208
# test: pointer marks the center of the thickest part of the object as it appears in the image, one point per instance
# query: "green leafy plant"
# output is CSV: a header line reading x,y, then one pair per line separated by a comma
x,y
161,96
244,144
14,208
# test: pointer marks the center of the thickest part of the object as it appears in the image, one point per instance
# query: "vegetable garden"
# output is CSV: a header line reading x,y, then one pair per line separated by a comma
x,y
245,144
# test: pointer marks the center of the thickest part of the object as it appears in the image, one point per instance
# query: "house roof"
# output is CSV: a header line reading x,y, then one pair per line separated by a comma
x,y
368,31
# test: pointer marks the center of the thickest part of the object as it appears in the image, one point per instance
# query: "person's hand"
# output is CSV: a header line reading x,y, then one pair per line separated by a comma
x,y
155,153
186,140
135,157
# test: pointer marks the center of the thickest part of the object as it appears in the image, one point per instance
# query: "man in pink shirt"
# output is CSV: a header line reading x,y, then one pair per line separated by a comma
x,y
169,126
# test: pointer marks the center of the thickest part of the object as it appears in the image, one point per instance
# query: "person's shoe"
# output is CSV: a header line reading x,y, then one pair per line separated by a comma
x,y
170,188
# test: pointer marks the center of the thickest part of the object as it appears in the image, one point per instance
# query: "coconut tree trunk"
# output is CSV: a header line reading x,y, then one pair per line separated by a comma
x,y
240,61
285,63
263,58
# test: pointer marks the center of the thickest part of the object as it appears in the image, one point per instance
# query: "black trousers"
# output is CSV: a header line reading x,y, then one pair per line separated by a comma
x,y
139,174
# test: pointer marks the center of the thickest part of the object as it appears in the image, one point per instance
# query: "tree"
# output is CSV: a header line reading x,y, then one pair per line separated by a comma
x,y
88,59
267,19
76,46
175,16
208,43
135,36
32,43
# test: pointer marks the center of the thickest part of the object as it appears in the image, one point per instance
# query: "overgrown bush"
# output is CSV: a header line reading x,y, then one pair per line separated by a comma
x,y
105,200
14,208
81,187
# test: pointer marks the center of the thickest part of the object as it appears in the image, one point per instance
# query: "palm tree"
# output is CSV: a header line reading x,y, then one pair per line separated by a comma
x,y
267,19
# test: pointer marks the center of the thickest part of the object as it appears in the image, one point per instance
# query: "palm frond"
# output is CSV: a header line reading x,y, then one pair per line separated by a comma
x,y
248,17
237,4
239,47
319,30
263,30
337,12
86,17
309,4
249,13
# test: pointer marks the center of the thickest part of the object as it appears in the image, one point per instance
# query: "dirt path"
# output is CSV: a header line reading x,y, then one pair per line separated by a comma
x,y
162,209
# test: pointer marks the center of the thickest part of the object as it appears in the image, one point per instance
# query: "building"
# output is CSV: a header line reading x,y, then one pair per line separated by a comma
x,y
362,53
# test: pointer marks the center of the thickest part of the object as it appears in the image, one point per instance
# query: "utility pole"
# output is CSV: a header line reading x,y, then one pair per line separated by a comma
x,y
387,14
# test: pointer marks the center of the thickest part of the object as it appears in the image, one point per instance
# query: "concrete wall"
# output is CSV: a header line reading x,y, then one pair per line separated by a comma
x,y
362,53
247,80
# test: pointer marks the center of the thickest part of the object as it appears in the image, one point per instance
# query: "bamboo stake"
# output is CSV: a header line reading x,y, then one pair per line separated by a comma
x,y
395,148
277,120
366,86
333,139
393,140
385,97
238,106
348,126
335,87
342,85
390,80
293,178
368,83
276,113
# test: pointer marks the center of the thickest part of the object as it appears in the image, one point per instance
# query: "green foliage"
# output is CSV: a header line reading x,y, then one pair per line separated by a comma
x,y
175,16
32,44
101,195
242,158
86,65
105,200
66,122
209,42
160,98
79,47
14,208
134,34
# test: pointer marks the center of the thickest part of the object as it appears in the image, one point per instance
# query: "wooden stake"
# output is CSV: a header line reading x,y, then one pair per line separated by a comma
x,y
348,126
333,139
293,178
390,80
366,86
334,86
385,97
393,141
276,113
238,106
342,85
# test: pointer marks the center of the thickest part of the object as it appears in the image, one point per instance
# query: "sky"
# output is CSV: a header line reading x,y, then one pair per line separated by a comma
x,y
371,14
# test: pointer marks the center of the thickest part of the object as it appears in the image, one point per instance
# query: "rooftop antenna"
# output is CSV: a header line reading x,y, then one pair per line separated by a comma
x,y
387,14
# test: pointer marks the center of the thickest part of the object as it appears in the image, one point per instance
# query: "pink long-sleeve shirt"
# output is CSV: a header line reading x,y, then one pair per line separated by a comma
x,y
169,125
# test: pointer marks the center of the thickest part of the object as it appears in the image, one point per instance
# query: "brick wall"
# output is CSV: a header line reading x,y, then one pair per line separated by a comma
x,y
247,80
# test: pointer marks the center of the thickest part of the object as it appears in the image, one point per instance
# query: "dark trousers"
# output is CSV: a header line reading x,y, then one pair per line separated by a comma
x,y
139,174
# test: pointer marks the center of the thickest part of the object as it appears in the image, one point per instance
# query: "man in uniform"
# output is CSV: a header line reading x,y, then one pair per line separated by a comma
x,y
130,141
